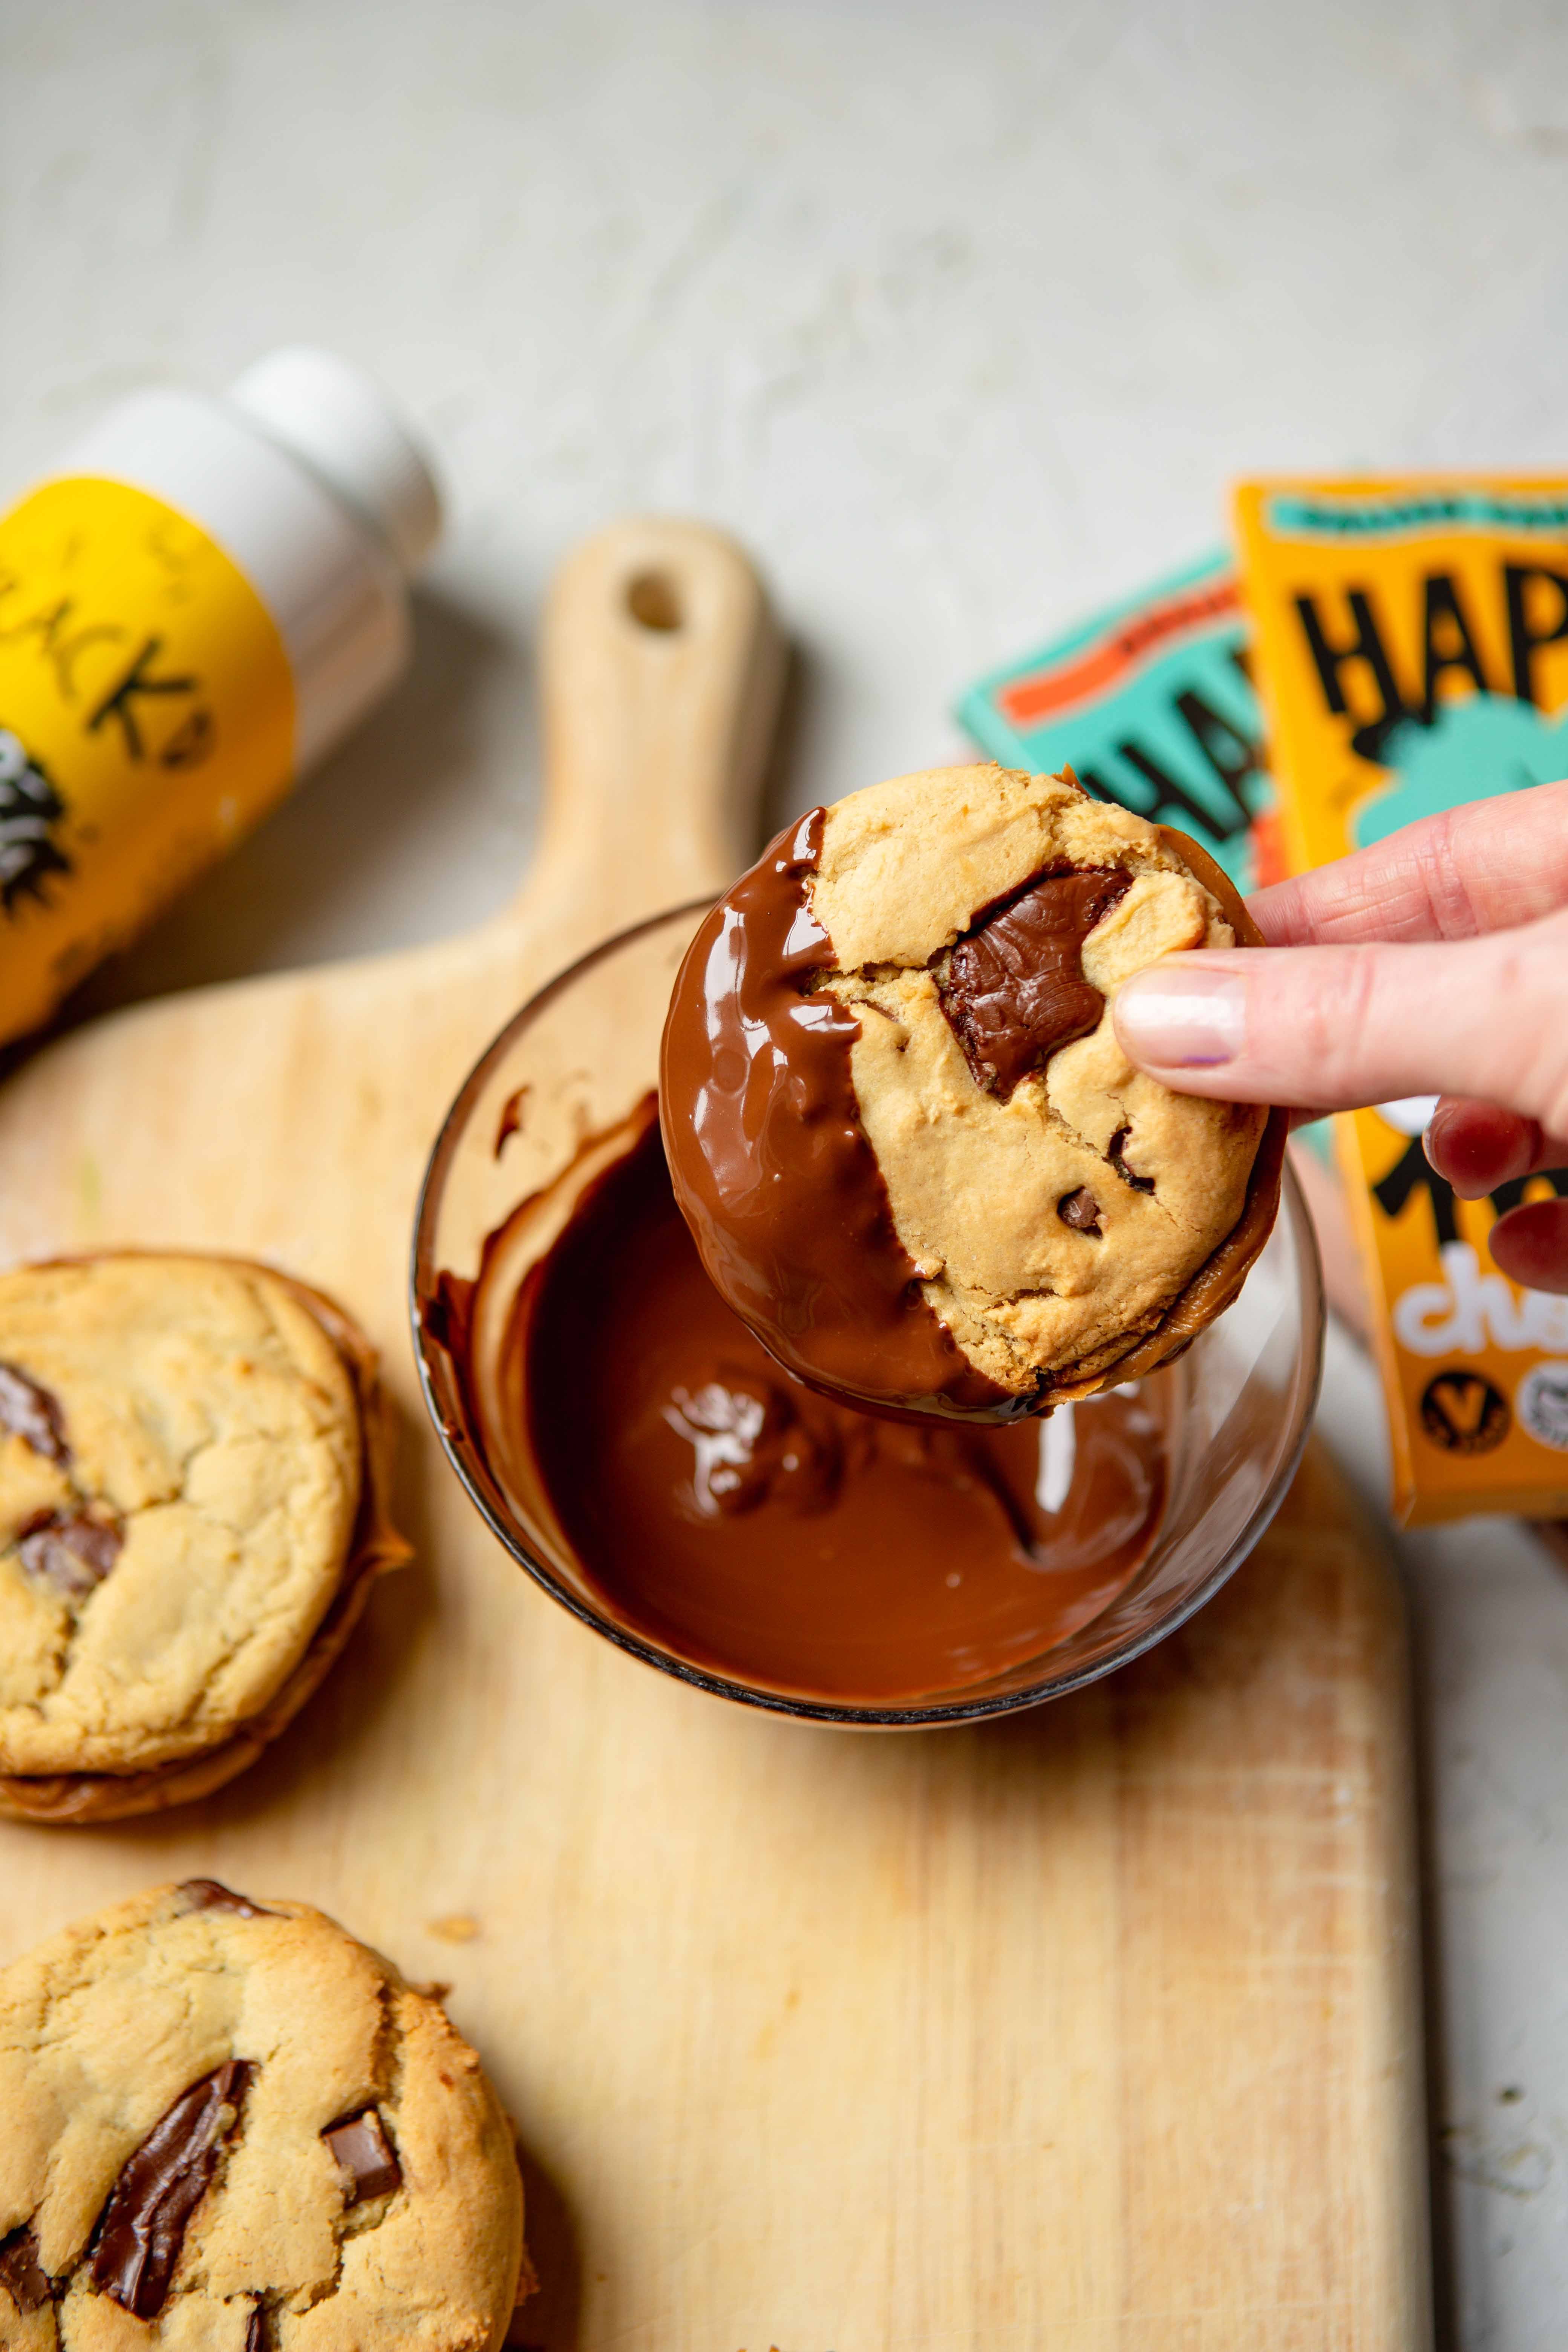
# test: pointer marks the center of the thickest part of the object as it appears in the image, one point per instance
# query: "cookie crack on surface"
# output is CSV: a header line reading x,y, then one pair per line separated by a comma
x,y
1055,1116
358,2221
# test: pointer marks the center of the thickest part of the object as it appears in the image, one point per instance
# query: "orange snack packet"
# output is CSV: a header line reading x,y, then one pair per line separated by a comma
x,y
1411,638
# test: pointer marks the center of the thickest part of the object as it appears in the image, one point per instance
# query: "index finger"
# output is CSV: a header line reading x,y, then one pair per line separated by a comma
x,y
1487,866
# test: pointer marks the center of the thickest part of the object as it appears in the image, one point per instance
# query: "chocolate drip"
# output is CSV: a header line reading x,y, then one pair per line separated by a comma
x,y
255,2331
209,1895
511,1117
33,1413
364,2156
71,1552
770,1166
22,2274
143,2225
1014,990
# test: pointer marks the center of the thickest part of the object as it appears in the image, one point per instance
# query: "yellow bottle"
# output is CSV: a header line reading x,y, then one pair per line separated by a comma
x,y
195,607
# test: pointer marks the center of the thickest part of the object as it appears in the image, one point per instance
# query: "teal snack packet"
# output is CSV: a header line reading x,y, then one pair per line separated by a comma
x,y
1152,704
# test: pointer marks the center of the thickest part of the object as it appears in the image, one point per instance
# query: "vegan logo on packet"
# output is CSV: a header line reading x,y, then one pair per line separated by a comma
x,y
1411,638
1152,703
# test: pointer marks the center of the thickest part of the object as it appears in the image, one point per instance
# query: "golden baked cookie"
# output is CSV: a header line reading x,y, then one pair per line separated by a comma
x,y
190,1513
953,944
226,2127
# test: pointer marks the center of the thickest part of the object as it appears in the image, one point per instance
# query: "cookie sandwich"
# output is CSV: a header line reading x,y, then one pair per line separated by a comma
x,y
226,2124
899,1122
194,1458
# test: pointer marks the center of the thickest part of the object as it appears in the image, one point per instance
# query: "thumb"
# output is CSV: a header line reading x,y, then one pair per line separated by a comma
x,y
1333,1028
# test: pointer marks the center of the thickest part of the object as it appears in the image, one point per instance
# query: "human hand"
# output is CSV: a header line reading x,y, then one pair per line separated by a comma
x,y
1434,963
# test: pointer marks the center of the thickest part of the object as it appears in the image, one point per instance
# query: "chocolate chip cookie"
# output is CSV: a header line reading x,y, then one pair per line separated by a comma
x,y
226,2125
192,1457
899,1122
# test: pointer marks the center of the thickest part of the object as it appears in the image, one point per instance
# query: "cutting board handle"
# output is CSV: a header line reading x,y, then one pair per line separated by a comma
x,y
662,671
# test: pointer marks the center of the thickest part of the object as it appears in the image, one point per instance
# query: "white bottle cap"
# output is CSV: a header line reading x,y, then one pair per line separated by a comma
x,y
338,423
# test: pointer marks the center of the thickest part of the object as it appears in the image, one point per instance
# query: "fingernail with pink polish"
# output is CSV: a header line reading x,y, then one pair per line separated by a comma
x,y
1174,1020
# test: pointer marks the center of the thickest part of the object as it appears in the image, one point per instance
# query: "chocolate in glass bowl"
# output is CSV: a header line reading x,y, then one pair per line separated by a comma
x,y
568,1081
725,1510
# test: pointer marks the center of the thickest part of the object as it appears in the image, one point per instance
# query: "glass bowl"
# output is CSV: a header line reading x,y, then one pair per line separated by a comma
x,y
540,1114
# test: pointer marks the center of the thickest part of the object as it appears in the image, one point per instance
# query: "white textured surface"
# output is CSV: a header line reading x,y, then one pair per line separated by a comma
x,y
962,319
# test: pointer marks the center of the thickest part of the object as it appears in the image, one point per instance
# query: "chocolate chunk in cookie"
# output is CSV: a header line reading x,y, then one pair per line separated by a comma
x,y
141,2233
229,2120
29,1411
69,1551
1013,988
364,2156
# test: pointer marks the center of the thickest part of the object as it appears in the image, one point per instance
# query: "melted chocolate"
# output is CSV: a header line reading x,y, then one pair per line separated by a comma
x,y
144,2225
364,2156
33,1413
22,2274
749,1446
208,1894
69,1552
1014,990
731,1515
771,1165
446,1313
255,2331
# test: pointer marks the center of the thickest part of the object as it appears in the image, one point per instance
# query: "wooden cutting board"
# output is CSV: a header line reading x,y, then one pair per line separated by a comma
x,y
1097,2028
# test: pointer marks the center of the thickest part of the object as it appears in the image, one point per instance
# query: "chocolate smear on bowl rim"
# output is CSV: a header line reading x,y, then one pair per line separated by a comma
x,y
1013,987
364,2156
141,2231
1115,1151
33,1414
774,1171
69,1551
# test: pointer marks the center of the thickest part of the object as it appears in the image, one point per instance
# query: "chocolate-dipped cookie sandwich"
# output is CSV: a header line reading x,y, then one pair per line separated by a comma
x,y
192,1469
900,1124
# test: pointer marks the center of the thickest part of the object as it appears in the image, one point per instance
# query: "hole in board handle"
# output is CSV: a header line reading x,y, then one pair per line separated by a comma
x,y
653,599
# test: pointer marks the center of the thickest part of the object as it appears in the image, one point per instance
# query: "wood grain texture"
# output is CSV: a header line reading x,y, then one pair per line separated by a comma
x,y
1097,2028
